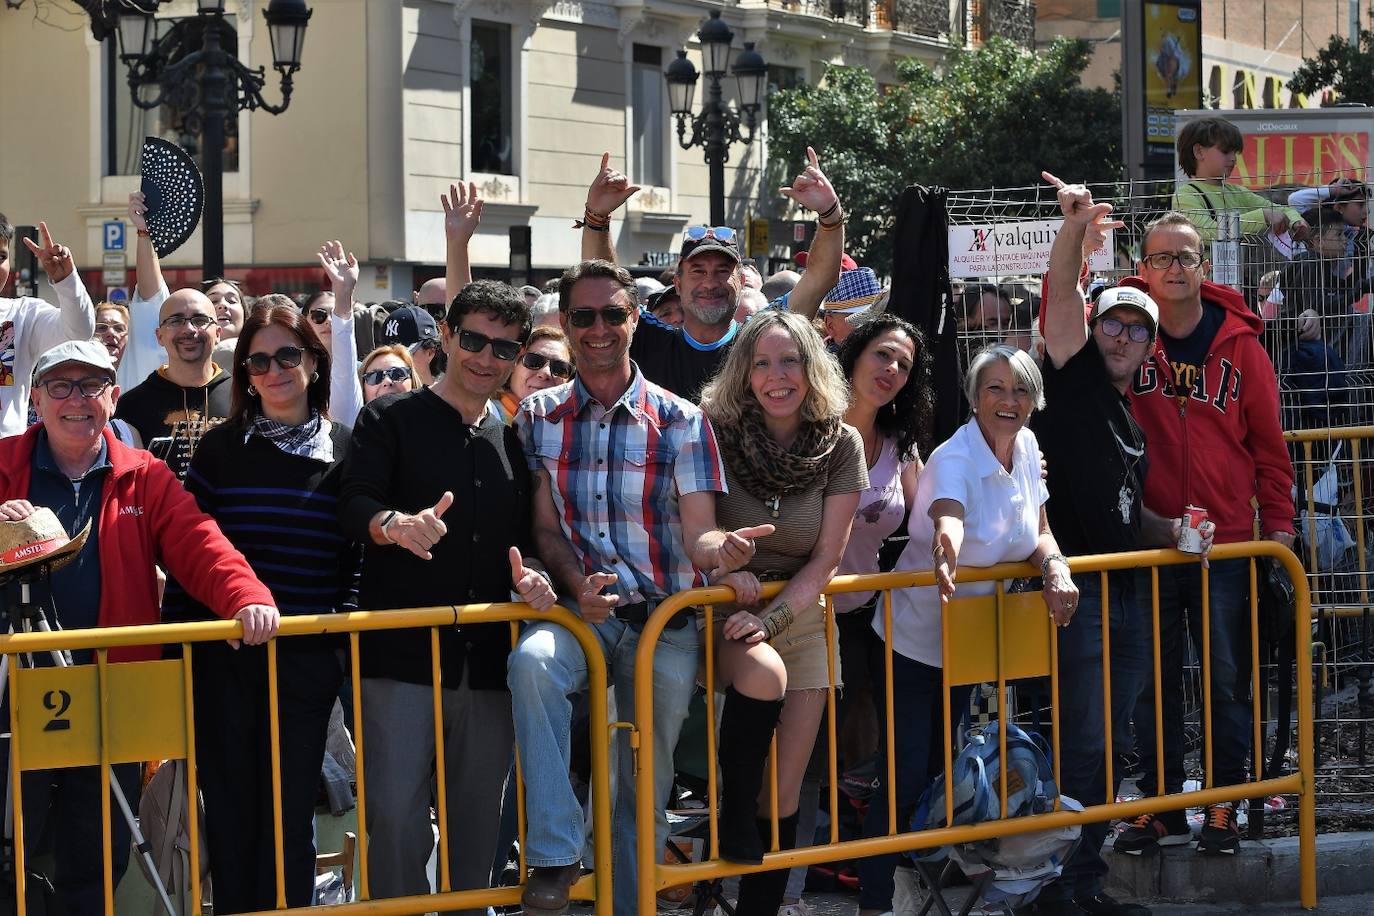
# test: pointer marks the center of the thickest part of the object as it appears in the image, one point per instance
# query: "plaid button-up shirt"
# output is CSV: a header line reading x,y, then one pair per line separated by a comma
x,y
617,473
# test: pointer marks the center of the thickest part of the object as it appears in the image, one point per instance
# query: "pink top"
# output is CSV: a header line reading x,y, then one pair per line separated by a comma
x,y
881,509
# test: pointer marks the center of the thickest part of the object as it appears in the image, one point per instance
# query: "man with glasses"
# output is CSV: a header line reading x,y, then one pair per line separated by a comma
x,y
29,326
1207,399
625,479
137,515
436,488
174,406
708,278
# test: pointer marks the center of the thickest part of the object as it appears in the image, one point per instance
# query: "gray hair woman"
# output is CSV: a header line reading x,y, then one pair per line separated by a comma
x,y
980,499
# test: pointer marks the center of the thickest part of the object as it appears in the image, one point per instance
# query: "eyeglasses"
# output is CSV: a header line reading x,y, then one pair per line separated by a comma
x,y
502,349
613,315
395,374
117,330
1138,333
286,358
719,233
1163,260
175,322
557,368
319,316
62,388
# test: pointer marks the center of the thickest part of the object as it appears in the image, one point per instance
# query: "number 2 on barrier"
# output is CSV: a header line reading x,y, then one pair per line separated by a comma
x,y
58,702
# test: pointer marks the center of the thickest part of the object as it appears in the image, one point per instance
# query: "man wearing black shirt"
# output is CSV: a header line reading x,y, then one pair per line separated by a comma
x,y
437,488
708,279
1095,451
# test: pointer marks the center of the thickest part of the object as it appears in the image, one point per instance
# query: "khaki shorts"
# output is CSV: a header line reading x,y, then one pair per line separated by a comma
x,y
801,646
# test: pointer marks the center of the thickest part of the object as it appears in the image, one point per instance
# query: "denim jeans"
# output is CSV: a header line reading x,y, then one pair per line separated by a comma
x,y
1082,724
1180,599
546,667
918,729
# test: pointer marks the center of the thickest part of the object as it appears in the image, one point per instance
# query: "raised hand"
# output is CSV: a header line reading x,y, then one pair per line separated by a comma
x,y
532,588
341,268
738,549
56,259
609,189
462,211
811,188
594,606
138,207
1076,201
418,533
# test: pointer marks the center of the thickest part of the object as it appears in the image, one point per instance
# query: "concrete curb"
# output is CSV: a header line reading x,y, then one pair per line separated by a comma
x,y
1261,872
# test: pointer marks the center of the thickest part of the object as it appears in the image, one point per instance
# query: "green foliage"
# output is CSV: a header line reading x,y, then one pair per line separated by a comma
x,y
996,116
1343,65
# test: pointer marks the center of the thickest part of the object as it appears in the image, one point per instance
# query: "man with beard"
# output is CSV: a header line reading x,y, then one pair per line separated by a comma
x,y
709,278
174,406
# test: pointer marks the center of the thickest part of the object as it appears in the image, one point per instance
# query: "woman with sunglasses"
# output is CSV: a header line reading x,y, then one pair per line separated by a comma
x,y
546,362
777,406
387,370
270,476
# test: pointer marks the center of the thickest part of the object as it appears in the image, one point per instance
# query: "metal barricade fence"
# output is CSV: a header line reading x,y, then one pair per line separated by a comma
x,y
1006,658
97,715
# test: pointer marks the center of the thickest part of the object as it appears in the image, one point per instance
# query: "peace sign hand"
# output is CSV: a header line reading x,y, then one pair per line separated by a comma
x,y
56,259
811,188
609,189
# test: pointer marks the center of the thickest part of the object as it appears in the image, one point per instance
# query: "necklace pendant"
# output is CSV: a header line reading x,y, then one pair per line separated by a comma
x,y
773,504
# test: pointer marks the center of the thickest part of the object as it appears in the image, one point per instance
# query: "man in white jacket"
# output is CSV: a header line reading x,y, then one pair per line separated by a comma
x,y
30,327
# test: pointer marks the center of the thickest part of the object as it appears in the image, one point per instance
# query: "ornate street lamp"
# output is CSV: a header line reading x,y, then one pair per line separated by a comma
x,y
212,81
717,126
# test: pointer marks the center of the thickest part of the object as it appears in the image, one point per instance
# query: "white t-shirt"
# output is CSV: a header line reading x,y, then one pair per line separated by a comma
x,y
1001,525
30,327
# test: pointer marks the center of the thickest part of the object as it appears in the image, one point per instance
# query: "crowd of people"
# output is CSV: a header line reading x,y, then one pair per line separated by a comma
x,y
603,447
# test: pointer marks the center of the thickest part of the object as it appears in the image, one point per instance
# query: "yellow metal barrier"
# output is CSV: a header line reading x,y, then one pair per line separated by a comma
x,y
97,716
1028,653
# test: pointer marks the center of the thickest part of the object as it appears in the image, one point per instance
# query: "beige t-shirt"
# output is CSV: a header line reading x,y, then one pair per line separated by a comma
x,y
798,522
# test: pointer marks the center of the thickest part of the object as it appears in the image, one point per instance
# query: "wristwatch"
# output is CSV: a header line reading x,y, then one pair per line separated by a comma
x,y
387,521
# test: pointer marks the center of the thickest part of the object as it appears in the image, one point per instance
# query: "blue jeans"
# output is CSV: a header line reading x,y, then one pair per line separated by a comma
x,y
918,730
1082,735
1180,599
545,669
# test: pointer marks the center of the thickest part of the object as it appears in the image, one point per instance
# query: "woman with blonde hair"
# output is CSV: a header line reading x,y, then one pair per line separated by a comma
x,y
387,370
777,406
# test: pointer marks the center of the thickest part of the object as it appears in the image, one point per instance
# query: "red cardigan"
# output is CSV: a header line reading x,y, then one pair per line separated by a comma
x,y
146,518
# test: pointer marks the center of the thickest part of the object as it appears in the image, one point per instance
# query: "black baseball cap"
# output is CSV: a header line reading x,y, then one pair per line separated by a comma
x,y
409,325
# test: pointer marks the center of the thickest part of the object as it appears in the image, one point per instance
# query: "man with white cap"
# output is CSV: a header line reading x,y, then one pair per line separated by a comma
x,y
136,515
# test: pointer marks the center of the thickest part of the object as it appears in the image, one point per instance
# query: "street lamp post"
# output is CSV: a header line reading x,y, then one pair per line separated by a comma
x,y
225,86
717,126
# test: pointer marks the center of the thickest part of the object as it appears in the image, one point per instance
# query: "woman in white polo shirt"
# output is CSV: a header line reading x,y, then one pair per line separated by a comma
x,y
979,501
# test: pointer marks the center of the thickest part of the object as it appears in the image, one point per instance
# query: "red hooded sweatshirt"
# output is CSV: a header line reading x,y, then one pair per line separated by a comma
x,y
146,517
1222,444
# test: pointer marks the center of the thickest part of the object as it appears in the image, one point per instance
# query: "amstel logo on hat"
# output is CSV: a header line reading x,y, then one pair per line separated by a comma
x,y
40,538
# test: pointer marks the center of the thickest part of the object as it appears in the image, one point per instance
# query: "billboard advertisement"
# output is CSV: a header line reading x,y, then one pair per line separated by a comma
x,y
1297,147
1171,36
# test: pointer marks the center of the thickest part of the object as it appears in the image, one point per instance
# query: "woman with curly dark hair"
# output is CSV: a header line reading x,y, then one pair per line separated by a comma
x,y
892,406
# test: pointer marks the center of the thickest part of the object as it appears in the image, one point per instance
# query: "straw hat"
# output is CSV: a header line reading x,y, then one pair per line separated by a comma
x,y
38,539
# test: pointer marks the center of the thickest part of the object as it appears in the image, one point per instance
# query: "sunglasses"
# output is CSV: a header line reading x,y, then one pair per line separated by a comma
x,y
429,343
319,316
395,374
286,358
557,368
613,315
215,281
719,233
502,349
1138,333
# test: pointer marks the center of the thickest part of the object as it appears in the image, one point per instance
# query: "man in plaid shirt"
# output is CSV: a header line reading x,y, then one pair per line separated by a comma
x,y
625,482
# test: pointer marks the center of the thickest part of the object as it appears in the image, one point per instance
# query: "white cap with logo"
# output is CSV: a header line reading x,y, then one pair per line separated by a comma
x,y
1127,297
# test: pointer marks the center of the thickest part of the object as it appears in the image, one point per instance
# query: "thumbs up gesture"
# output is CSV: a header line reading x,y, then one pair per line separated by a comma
x,y
418,533
532,588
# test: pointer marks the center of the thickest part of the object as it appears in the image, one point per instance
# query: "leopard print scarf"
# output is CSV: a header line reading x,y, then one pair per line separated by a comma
x,y
766,469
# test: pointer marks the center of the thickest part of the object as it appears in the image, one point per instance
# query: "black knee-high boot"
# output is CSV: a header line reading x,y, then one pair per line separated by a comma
x,y
746,732
760,894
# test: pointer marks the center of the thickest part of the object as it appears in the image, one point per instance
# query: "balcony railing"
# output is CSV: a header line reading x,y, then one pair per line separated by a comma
x,y
927,18
1013,20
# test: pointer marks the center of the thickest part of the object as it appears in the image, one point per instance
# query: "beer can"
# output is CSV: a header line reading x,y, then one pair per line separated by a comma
x,y
1189,533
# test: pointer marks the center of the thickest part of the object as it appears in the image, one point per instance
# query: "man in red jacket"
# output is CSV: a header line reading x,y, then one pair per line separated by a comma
x,y
1208,401
139,515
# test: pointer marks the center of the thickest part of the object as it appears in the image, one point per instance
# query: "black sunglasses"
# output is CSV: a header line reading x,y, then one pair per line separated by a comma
x,y
286,358
613,315
395,374
319,316
558,368
502,349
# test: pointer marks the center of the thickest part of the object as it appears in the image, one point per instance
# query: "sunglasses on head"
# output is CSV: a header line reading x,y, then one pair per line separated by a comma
x,y
319,316
558,368
501,348
286,358
215,281
719,233
395,374
613,315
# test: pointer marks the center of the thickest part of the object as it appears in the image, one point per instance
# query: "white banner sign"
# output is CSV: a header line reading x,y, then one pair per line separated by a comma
x,y
1226,249
1009,249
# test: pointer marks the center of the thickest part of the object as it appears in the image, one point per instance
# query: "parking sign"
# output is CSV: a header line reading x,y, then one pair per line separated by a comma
x,y
114,235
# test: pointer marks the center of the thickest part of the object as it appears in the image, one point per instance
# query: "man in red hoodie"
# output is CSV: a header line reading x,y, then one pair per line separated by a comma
x,y
1207,399
139,515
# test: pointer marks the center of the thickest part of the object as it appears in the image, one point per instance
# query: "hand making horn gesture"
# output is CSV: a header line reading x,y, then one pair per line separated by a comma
x,y
56,259
609,189
813,190
532,588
